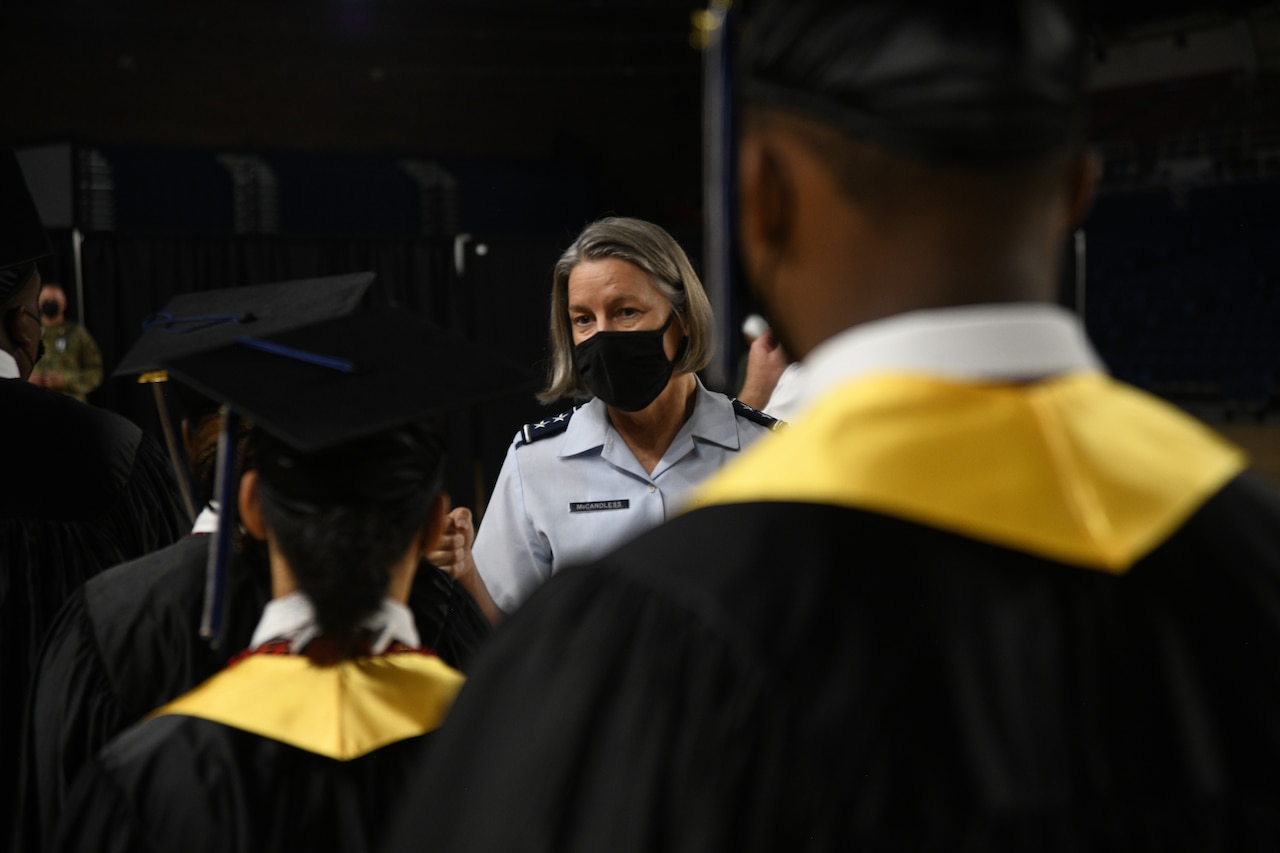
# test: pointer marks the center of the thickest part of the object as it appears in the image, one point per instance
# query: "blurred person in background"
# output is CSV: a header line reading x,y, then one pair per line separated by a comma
x,y
771,380
72,363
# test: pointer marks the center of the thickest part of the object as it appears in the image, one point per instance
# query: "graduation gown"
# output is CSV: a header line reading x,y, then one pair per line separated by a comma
x,y
272,754
84,489
128,642
925,617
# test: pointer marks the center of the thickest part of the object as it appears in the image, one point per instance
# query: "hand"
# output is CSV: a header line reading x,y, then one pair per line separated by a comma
x,y
51,379
765,362
453,555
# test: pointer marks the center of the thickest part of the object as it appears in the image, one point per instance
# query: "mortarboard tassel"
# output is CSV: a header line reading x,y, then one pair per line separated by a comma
x,y
213,621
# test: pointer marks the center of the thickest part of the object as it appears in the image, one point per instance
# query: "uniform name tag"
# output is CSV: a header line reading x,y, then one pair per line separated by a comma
x,y
598,506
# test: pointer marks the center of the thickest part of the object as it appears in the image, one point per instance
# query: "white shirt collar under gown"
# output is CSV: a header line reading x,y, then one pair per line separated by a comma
x,y
207,520
293,618
1014,341
8,366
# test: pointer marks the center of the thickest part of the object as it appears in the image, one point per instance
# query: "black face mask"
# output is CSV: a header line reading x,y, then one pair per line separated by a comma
x,y
627,370
50,308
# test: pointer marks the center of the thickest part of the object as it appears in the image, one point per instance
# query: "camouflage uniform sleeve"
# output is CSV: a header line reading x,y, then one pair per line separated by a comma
x,y
87,374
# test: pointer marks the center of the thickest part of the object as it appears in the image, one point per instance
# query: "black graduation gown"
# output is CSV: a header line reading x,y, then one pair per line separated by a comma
x,y
272,754
84,489
129,641
841,668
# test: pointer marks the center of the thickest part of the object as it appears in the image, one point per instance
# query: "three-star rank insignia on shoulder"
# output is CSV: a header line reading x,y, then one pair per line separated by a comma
x,y
742,410
547,427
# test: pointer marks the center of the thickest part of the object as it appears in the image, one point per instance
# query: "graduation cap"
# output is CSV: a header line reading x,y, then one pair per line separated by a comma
x,y
195,322
332,383
22,237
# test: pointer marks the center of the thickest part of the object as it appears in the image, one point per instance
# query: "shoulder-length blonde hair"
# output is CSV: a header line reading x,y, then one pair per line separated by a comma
x,y
657,253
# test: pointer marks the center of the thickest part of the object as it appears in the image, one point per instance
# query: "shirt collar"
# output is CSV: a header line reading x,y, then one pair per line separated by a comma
x,y
997,342
713,421
8,366
292,618
207,520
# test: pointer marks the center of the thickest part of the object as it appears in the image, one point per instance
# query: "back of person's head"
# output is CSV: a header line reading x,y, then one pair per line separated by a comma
x,y
907,154
344,516
22,244
655,252
913,101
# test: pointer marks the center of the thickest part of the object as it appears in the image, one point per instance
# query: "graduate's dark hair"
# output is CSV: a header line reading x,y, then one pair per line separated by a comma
x,y
342,517
204,423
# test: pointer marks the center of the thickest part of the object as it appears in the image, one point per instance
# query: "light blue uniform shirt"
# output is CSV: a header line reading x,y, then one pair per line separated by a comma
x,y
576,495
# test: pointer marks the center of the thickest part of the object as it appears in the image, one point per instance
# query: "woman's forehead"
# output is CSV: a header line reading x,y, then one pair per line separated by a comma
x,y
609,277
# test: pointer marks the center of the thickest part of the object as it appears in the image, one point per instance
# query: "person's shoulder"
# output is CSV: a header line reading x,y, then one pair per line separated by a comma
x,y
55,439
153,577
546,428
49,415
149,604
747,415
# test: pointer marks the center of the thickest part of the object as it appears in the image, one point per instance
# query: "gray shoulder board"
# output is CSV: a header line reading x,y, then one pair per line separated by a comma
x,y
742,410
555,425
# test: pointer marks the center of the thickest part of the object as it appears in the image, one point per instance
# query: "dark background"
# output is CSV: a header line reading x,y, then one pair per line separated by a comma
x,y
202,144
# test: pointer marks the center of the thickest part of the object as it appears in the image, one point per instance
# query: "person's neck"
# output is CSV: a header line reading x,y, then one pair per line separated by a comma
x,y
399,586
650,431
939,277
52,323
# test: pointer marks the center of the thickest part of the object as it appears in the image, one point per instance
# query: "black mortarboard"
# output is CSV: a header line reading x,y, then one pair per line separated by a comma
x,y
332,383
940,80
22,237
347,378
194,322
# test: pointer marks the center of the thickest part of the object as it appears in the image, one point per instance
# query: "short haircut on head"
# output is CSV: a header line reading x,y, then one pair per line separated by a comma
x,y
656,253
892,183
882,88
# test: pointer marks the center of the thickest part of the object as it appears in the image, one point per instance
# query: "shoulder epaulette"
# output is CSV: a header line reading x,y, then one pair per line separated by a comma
x,y
546,428
742,410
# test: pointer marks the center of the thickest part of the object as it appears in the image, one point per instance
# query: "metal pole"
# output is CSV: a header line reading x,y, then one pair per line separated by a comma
x,y
171,441
77,264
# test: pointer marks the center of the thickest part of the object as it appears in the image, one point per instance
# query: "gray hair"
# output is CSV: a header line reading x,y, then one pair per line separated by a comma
x,y
655,252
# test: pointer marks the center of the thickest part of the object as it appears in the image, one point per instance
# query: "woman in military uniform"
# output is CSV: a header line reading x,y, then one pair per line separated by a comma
x,y
630,327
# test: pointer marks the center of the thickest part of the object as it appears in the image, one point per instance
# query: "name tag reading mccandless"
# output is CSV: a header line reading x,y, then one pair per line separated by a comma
x,y
598,506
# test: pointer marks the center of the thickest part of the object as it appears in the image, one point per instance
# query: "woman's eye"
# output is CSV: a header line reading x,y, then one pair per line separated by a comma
x,y
581,320
627,312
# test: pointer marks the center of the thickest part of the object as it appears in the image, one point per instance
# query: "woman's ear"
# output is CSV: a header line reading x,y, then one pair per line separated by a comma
x,y
433,530
251,506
